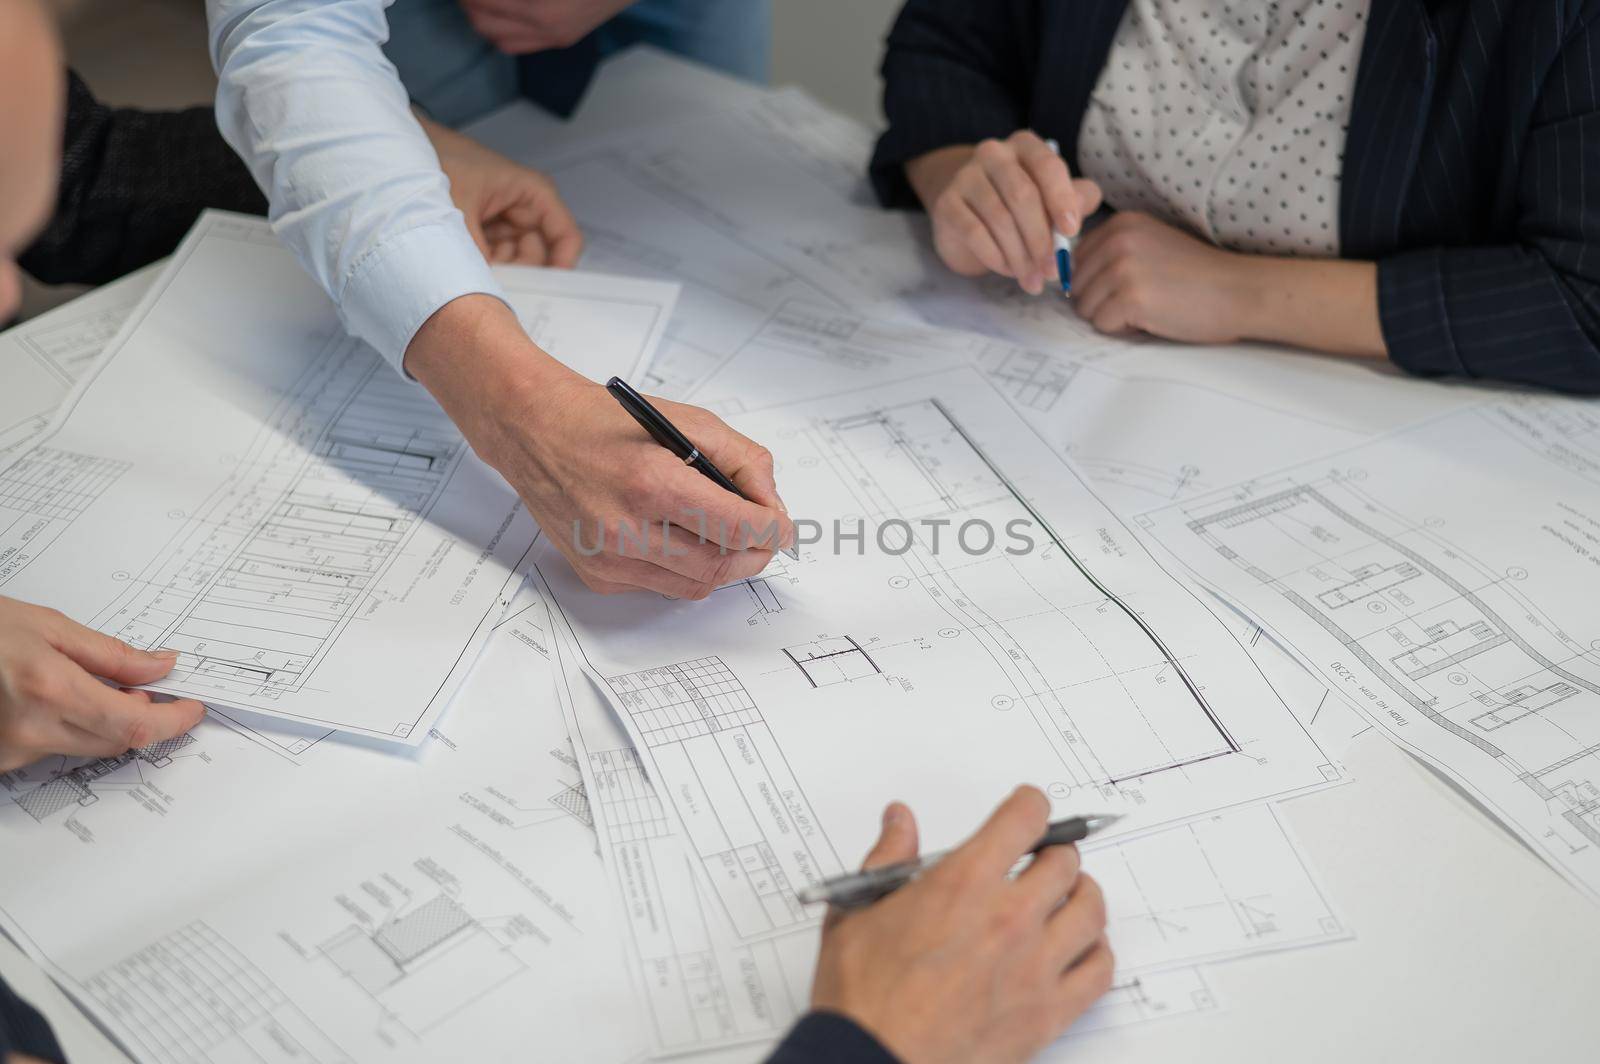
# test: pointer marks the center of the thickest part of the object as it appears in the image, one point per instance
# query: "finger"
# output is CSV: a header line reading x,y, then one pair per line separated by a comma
x,y
1089,196
555,224
509,35
717,516
503,251
897,840
685,552
964,220
1011,831
1072,930
613,574
1049,878
530,250
1056,189
104,655
1021,197
78,742
125,721
1084,983
987,203
1089,260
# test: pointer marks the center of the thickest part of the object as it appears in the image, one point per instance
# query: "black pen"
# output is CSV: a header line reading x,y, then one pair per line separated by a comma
x,y
856,889
667,435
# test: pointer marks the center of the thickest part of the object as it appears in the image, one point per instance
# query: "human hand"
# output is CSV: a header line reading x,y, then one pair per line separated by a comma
x,y
965,963
518,27
624,511
51,703
996,207
1137,273
513,213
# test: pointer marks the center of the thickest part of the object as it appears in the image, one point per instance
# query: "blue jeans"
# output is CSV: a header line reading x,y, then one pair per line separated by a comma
x,y
458,76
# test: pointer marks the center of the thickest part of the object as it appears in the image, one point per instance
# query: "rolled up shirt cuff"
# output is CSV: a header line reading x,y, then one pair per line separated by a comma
x,y
400,283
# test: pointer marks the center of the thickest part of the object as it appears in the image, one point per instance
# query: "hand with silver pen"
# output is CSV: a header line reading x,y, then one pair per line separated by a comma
x,y
967,962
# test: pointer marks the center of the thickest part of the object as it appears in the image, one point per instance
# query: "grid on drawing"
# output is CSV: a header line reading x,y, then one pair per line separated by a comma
x,y
57,484
185,994
677,702
626,799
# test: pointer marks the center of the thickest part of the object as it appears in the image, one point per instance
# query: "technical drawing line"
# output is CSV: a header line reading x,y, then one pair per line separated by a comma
x,y
1083,570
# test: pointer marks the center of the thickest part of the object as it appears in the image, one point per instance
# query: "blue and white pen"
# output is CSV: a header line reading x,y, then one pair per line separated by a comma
x,y
1064,244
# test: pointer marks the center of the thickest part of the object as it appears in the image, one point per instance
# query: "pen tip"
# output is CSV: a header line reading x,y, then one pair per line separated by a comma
x,y
1101,821
792,553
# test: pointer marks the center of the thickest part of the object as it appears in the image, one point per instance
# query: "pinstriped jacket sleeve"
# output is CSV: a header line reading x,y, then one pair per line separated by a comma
x,y
1528,311
953,74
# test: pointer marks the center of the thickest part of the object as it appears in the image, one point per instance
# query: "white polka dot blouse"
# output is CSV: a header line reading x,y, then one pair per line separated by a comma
x,y
1229,118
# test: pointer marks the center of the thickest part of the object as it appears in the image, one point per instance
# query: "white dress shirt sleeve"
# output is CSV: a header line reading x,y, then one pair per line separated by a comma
x,y
308,99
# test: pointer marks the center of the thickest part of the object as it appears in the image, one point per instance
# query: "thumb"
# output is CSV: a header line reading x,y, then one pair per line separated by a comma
x,y
102,655
897,841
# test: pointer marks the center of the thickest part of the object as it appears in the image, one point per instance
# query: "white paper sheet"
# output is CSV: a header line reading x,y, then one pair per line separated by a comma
x,y
240,482
42,358
1075,662
1458,620
702,989
277,895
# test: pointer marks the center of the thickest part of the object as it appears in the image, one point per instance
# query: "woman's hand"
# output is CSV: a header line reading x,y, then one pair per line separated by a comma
x,y
513,213
966,963
1134,273
51,702
996,206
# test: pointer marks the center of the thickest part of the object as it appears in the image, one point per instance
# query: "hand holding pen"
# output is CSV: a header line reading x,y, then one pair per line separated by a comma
x,y
966,961
999,206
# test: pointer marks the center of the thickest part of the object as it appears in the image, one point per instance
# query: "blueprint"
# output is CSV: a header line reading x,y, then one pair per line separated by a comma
x,y
701,987
43,358
1457,621
332,552
362,905
958,666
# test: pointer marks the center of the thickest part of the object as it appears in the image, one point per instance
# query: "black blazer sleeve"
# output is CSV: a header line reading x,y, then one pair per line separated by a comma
x,y
829,1038
1526,311
955,72
132,183
23,1031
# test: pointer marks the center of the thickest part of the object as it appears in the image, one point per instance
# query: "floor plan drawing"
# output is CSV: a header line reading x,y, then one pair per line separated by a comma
x,y
335,555
1454,631
191,998
1004,629
424,965
305,531
41,493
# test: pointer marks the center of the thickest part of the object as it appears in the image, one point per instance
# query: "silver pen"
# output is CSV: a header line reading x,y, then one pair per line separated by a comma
x,y
856,889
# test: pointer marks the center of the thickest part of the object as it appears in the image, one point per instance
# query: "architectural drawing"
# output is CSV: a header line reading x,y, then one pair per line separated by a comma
x,y
938,643
831,660
192,998
41,494
1459,632
424,965
76,786
334,533
45,356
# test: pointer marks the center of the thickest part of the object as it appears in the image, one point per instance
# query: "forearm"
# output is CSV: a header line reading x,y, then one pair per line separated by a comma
x,y
1326,305
355,189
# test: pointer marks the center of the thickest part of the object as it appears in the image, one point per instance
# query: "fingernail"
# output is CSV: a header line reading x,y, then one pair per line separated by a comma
x,y
1069,223
166,655
893,814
